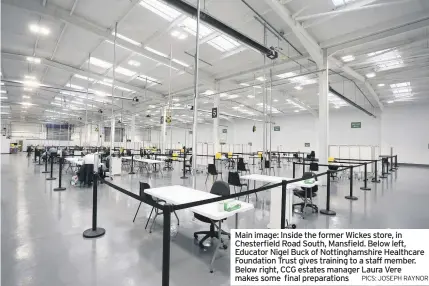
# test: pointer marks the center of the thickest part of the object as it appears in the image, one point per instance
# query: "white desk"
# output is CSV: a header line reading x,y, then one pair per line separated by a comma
x,y
276,196
147,162
177,195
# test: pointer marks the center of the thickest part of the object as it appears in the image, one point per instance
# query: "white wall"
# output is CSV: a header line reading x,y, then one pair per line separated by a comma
x,y
406,129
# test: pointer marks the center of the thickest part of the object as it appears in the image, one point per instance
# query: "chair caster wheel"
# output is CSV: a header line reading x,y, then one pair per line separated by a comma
x,y
225,246
293,226
211,271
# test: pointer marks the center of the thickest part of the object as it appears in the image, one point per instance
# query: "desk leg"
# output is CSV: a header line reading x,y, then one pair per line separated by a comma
x,y
236,221
217,247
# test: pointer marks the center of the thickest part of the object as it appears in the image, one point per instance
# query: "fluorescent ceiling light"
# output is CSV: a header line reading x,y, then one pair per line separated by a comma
x,y
348,58
232,96
131,41
108,80
3,97
125,71
338,3
99,92
261,78
31,77
275,100
74,86
39,29
286,75
257,86
175,99
84,77
161,9
156,52
377,53
26,103
370,75
31,83
180,63
100,63
34,60
209,92
296,111
244,84
26,96
143,77
3,91
337,106
2,83
179,35
298,87
134,63
391,101
381,84
223,95
251,96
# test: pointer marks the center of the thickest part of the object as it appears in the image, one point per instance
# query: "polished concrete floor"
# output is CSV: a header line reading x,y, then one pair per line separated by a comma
x,y
41,230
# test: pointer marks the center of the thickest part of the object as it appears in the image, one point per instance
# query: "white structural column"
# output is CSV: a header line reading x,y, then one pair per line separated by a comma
x,y
112,134
323,125
100,134
216,124
133,128
164,129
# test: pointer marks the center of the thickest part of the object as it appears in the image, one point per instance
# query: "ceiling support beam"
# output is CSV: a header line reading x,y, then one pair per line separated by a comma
x,y
350,9
313,47
73,70
304,37
348,70
58,14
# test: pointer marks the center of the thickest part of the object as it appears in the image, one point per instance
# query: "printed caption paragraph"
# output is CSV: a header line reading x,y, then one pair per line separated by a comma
x,y
329,257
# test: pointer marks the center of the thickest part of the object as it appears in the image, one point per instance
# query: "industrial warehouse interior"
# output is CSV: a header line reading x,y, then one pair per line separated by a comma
x,y
136,134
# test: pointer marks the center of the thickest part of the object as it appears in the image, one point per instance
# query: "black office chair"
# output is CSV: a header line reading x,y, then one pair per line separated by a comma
x,y
333,175
241,166
220,188
314,167
234,180
188,167
268,166
149,198
211,170
306,194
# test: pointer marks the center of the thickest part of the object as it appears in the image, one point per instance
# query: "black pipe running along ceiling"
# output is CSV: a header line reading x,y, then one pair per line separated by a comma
x,y
191,10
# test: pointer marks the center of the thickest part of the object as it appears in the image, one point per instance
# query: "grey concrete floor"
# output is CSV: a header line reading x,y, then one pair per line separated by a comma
x,y
42,241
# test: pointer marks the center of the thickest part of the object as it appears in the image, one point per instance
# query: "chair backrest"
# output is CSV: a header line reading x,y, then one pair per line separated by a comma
x,y
241,166
295,155
143,186
234,179
212,169
314,167
190,160
309,175
313,154
267,164
220,188
240,159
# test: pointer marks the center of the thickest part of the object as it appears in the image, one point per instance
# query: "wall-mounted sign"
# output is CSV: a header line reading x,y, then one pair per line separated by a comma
x,y
214,112
190,132
356,125
224,130
307,144
168,120
276,128
162,120
250,143
254,128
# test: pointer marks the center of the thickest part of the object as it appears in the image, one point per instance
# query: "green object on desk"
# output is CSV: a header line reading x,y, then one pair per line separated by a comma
x,y
309,181
231,206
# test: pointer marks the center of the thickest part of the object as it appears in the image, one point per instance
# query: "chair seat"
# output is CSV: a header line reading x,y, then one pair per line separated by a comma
x,y
203,218
301,193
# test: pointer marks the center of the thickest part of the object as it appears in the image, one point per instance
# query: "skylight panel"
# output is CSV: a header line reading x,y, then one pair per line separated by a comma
x,y
190,26
339,3
161,9
125,71
402,84
224,43
348,58
377,53
131,41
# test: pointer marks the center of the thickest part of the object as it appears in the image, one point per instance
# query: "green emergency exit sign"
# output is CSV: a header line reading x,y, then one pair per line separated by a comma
x,y
356,124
